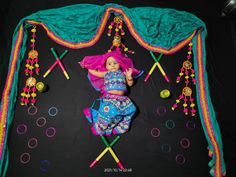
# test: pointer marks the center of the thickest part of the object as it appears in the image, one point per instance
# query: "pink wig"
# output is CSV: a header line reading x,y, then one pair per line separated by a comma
x,y
98,62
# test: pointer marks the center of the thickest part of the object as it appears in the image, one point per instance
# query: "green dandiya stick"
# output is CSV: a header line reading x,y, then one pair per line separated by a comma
x,y
104,151
112,153
158,65
54,64
60,64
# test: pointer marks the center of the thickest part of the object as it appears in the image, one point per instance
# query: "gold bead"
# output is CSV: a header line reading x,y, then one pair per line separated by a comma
x,y
108,34
192,75
109,27
192,105
181,74
116,29
185,105
120,26
190,44
22,94
27,95
125,49
189,52
177,101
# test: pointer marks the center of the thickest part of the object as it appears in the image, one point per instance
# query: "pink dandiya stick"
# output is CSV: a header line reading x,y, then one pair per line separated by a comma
x,y
57,62
50,69
150,72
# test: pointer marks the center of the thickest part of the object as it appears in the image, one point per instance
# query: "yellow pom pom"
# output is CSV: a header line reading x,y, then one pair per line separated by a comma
x,y
109,27
31,67
22,94
126,49
181,74
27,95
192,75
33,94
185,105
186,77
32,40
192,105
190,44
177,101
27,65
189,52
116,29
33,30
36,65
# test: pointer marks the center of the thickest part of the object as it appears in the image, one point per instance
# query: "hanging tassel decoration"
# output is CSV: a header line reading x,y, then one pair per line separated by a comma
x,y
188,73
28,96
117,23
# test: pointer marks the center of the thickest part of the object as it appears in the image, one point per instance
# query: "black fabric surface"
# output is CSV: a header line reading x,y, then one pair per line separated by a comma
x,y
74,147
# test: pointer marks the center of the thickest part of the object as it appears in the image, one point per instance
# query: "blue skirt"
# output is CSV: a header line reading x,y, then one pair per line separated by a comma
x,y
113,116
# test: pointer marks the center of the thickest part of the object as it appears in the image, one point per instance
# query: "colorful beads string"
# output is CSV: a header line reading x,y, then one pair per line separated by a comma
x,y
117,41
28,96
186,95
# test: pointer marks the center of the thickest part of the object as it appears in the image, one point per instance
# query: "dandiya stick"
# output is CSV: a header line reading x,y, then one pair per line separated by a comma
x,y
159,66
54,64
60,64
104,152
150,72
112,153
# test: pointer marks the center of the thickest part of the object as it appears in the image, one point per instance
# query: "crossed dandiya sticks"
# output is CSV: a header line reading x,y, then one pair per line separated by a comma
x,y
156,64
108,148
58,61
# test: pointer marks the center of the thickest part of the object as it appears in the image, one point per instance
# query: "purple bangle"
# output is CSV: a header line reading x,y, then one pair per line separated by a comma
x,y
25,158
42,120
21,129
32,143
155,132
185,143
180,159
30,112
50,132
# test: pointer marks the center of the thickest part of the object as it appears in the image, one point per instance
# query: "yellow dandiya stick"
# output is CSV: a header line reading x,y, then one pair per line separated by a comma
x,y
162,71
104,152
150,72
159,66
60,64
112,153
54,64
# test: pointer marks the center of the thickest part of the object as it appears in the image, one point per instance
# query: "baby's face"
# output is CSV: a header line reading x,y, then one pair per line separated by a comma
x,y
112,65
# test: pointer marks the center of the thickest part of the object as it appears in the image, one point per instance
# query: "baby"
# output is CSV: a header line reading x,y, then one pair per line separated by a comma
x,y
116,110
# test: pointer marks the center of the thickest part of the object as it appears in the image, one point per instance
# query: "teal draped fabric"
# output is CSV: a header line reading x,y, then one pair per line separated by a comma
x,y
159,27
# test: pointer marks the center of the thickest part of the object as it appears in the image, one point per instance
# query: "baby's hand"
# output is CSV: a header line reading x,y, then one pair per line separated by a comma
x,y
128,72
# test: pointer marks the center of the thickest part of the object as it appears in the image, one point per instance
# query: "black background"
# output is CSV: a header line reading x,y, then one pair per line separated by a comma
x,y
74,147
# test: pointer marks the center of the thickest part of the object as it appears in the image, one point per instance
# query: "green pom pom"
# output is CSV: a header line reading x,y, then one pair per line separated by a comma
x,y
40,86
165,94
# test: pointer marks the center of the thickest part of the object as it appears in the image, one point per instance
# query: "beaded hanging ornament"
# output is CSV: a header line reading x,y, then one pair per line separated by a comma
x,y
188,73
117,41
28,96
